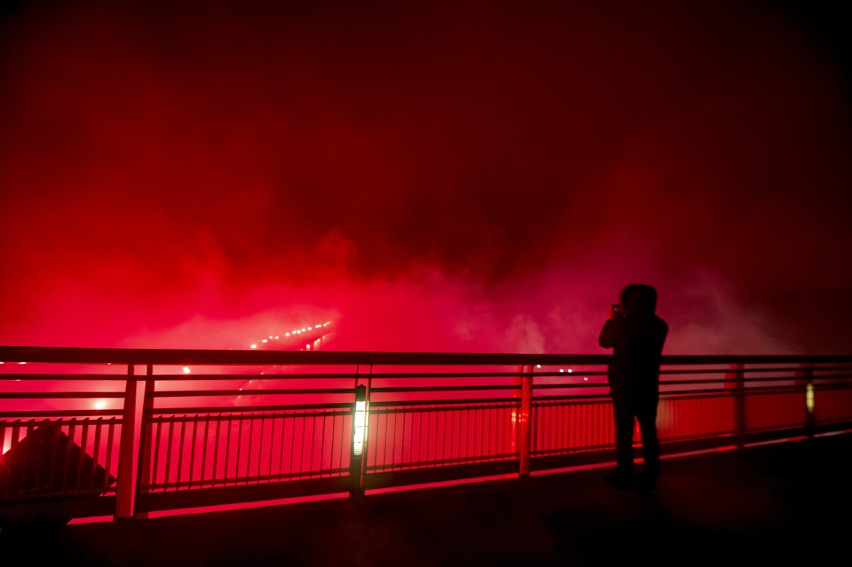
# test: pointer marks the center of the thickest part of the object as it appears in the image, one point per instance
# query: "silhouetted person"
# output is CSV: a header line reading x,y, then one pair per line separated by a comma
x,y
636,335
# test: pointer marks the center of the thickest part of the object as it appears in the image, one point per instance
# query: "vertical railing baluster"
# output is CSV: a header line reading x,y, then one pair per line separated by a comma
x,y
213,472
168,466
110,443
95,454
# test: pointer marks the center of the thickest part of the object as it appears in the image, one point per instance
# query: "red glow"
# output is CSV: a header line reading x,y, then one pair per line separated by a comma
x,y
430,178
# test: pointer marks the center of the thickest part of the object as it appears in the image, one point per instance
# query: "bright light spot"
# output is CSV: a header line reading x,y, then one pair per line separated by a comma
x,y
186,370
359,428
100,404
286,334
561,370
570,370
22,363
809,397
253,346
308,347
263,341
538,365
585,378
276,337
270,336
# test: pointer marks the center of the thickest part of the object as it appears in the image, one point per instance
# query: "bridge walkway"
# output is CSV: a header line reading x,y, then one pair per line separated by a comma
x,y
765,504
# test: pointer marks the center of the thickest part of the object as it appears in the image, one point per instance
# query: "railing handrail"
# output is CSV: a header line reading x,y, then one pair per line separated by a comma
x,y
200,453
92,355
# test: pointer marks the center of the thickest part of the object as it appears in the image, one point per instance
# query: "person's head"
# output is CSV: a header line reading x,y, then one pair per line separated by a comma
x,y
639,299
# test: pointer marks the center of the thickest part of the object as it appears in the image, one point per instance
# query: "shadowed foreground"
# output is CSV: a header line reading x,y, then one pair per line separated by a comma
x,y
767,503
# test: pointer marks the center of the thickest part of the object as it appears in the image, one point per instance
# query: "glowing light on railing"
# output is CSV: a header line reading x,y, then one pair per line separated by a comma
x,y
186,370
809,397
100,404
359,428
570,370
253,346
561,370
263,341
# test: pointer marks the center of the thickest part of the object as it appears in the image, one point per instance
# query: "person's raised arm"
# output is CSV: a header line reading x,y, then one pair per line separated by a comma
x,y
611,332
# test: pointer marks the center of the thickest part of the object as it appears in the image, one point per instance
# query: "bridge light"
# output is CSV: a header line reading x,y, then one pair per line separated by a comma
x,y
809,397
186,370
359,425
253,346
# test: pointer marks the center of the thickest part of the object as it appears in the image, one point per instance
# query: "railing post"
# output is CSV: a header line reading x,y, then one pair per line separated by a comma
x,y
125,487
525,422
360,420
737,374
145,435
805,377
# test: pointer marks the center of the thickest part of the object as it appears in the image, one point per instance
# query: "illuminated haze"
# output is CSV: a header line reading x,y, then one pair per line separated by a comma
x,y
453,178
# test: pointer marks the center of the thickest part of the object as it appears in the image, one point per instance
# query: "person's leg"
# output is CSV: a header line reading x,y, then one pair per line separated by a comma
x,y
647,417
623,414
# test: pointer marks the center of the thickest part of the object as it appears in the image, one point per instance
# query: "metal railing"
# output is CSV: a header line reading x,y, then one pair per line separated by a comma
x,y
124,433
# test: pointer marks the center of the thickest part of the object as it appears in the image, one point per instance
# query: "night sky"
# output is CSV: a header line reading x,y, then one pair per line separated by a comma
x,y
457,176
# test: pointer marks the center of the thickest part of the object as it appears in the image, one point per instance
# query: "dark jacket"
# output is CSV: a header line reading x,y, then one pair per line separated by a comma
x,y
637,339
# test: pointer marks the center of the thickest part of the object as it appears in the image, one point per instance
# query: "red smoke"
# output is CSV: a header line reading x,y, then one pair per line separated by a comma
x,y
471,178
